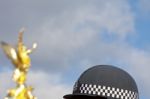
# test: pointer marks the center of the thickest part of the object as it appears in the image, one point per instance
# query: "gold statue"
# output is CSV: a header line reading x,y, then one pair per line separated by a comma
x,y
21,60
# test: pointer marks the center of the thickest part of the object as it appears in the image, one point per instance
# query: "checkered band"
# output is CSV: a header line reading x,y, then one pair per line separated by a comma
x,y
107,91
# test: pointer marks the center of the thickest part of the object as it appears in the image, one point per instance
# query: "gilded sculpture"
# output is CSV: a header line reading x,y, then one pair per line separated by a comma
x,y
19,57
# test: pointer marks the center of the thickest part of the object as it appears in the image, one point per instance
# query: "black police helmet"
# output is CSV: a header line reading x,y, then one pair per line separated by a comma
x,y
104,82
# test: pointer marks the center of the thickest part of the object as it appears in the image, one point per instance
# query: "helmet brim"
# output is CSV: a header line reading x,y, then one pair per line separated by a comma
x,y
75,96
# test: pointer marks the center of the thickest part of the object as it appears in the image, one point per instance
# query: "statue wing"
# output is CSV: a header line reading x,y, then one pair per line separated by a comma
x,y
10,52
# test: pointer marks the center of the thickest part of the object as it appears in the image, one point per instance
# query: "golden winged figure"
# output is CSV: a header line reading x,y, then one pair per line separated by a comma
x,y
19,56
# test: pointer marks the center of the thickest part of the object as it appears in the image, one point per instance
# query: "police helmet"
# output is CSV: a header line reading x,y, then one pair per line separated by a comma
x,y
104,82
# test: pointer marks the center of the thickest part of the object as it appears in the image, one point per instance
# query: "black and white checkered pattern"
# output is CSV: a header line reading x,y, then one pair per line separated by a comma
x,y
107,91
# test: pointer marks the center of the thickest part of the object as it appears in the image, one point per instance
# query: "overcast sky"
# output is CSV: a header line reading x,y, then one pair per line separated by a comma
x,y
73,35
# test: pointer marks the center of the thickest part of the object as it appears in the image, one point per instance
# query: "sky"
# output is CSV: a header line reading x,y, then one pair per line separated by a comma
x,y
73,35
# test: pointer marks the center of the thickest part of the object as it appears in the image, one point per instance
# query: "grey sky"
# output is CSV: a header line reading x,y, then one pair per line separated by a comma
x,y
73,34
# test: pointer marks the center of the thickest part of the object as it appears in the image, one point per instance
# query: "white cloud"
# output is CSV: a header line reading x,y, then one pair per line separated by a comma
x,y
48,85
72,32
5,83
60,37
45,85
144,6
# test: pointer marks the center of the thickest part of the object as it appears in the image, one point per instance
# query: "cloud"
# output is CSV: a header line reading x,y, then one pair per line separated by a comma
x,y
46,85
75,34
144,6
59,37
67,27
5,83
